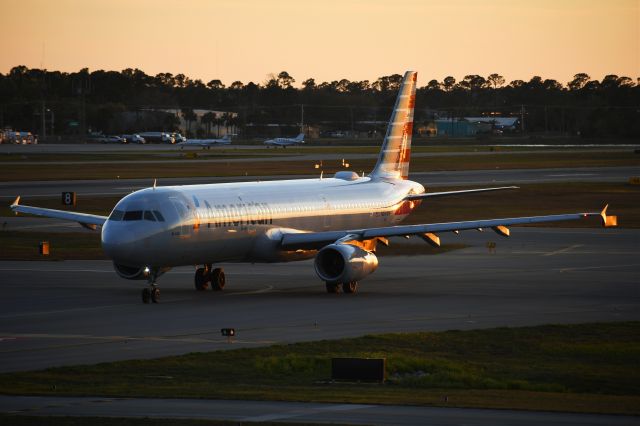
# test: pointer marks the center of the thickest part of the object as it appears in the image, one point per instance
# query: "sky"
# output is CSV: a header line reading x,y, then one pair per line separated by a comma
x,y
247,40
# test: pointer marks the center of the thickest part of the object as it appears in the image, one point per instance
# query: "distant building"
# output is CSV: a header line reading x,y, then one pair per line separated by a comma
x,y
460,127
471,126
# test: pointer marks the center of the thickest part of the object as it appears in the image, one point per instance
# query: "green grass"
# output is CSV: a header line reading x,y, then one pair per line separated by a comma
x,y
536,200
583,368
18,245
230,152
290,165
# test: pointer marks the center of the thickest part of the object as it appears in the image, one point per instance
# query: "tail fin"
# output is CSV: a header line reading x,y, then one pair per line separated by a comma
x,y
393,161
300,137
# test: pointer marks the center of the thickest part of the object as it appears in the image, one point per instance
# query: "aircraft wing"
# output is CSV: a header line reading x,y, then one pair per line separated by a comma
x,y
90,221
447,193
315,240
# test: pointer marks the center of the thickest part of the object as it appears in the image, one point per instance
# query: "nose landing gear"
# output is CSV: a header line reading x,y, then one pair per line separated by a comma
x,y
151,293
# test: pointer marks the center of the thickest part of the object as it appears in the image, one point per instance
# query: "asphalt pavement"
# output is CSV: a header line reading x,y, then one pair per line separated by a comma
x,y
297,412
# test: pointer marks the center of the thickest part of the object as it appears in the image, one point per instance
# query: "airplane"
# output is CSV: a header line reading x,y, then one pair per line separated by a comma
x,y
338,220
206,143
284,142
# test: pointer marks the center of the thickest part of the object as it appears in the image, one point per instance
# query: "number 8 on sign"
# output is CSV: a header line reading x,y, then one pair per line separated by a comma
x,y
69,198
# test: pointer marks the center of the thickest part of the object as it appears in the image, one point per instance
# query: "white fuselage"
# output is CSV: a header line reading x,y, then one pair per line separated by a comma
x,y
205,224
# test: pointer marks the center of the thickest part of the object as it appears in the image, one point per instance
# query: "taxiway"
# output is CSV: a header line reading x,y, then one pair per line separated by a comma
x,y
81,312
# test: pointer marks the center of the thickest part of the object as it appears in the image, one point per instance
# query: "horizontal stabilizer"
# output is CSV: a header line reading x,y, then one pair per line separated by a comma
x,y
449,193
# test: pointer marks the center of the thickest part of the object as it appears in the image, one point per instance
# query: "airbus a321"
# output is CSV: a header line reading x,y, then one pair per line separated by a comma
x,y
338,221
285,142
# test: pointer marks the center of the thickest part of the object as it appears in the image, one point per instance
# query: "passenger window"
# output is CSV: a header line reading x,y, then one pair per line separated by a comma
x,y
148,215
158,216
133,215
116,215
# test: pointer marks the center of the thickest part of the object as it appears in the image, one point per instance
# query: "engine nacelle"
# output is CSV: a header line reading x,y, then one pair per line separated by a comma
x,y
344,263
132,272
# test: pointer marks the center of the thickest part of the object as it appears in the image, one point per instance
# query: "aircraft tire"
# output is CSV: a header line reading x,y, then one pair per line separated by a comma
x,y
218,279
333,288
146,295
201,279
155,295
350,287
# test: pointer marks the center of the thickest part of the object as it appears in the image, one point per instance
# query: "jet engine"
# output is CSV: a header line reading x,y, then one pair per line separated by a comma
x,y
132,272
344,263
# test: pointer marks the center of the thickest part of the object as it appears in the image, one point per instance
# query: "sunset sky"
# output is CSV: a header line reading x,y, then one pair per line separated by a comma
x,y
326,39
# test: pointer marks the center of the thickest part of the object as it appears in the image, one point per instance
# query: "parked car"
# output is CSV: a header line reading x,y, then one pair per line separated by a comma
x,y
135,138
106,139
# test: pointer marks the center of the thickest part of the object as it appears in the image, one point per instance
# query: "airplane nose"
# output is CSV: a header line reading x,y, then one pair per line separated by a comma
x,y
117,244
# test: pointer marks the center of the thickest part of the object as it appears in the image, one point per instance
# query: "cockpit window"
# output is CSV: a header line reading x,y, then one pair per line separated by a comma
x,y
158,216
148,215
116,215
133,215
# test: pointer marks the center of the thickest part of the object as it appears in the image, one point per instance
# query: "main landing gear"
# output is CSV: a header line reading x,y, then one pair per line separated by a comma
x,y
207,276
350,287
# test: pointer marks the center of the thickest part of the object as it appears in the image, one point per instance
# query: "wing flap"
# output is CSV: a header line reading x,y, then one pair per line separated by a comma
x,y
315,240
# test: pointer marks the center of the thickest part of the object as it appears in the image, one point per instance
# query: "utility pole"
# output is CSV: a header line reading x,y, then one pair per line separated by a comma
x,y
52,126
43,134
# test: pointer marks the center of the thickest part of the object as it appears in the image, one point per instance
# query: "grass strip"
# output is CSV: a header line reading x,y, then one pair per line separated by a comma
x,y
289,166
19,245
590,368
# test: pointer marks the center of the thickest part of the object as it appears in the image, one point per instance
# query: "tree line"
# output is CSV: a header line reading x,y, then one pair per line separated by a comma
x,y
583,106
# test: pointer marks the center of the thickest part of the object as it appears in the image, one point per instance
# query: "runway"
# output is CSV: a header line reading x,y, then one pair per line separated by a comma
x,y
80,312
269,411
87,148
115,187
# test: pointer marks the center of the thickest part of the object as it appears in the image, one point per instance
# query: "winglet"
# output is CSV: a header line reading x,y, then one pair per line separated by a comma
x,y
608,221
16,202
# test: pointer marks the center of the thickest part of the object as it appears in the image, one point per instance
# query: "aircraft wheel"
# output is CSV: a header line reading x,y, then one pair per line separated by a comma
x,y
218,280
350,287
146,295
155,295
201,279
333,288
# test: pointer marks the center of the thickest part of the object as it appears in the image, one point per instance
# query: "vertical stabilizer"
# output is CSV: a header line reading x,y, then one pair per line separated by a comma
x,y
393,161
